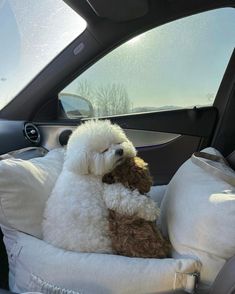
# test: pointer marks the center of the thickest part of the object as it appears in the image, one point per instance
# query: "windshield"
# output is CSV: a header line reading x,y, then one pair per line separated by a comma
x,y
32,33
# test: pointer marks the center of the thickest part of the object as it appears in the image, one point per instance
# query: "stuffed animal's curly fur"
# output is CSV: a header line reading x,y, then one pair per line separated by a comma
x,y
130,235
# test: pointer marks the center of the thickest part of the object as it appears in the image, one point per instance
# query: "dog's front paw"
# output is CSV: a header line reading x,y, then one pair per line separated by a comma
x,y
149,211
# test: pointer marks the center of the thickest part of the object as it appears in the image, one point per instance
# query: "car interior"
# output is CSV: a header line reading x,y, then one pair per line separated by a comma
x,y
37,120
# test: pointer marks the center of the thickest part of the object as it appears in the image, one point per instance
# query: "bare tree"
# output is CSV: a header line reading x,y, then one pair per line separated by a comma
x,y
107,100
112,99
85,90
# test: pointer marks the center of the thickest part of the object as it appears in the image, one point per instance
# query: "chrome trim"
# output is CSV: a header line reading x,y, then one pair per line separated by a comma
x,y
36,130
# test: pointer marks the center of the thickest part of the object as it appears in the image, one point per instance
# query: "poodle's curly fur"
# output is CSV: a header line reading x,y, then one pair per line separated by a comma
x,y
76,213
133,173
130,235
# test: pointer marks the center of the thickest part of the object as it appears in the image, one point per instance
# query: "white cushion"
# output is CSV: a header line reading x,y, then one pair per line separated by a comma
x,y
157,193
198,213
38,266
25,185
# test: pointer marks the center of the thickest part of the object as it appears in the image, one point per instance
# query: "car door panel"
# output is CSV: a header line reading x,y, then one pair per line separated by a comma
x,y
192,128
194,121
164,156
164,139
51,136
165,159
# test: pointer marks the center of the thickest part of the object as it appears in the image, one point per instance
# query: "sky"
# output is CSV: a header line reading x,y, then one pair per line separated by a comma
x,y
180,63
32,33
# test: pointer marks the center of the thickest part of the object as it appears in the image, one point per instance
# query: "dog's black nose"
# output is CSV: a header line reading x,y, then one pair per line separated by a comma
x,y
119,152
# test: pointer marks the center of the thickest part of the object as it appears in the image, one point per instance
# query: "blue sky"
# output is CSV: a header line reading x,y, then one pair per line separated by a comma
x,y
181,63
10,42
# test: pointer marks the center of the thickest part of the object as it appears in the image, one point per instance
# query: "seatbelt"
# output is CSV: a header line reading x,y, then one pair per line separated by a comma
x,y
209,163
225,280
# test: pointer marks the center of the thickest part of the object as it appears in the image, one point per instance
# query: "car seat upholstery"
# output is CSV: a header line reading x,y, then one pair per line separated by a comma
x,y
25,263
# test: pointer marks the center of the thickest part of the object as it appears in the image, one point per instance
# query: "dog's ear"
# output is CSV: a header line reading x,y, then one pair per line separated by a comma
x,y
77,162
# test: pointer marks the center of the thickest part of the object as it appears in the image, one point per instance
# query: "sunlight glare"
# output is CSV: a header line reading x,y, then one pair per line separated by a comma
x,y
134,40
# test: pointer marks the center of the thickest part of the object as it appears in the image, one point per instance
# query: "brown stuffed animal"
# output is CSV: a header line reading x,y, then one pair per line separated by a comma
x,y
130,235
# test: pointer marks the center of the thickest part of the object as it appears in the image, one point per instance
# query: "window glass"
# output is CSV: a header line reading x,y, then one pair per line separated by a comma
x,y
32,33
177,65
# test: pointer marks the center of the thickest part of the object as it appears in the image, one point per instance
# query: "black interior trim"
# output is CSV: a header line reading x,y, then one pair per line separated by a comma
x,y
122,10
179,8
224,137
195,122
12,136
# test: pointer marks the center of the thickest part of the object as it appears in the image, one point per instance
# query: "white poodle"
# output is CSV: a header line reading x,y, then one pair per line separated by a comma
x,y
76,212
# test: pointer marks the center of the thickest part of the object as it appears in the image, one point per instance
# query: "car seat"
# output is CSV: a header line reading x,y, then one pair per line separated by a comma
x,y
224,282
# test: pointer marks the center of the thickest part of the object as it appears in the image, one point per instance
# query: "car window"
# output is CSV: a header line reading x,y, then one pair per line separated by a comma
x,y
32,33
177,65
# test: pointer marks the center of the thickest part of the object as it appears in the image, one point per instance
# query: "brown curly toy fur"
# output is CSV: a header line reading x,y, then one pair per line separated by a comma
x,y
132,236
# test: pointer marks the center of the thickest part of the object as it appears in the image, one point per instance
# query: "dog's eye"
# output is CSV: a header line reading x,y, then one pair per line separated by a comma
x,y
105,150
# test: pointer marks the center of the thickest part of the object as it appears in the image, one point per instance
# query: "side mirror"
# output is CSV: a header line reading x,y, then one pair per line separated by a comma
x,y
76,106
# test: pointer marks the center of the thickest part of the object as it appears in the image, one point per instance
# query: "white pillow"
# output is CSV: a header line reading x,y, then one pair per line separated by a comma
x,y
199,212
25,185
38,266
157,193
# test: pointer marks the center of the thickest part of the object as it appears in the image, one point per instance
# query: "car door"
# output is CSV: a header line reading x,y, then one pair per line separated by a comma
x,y
161,87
